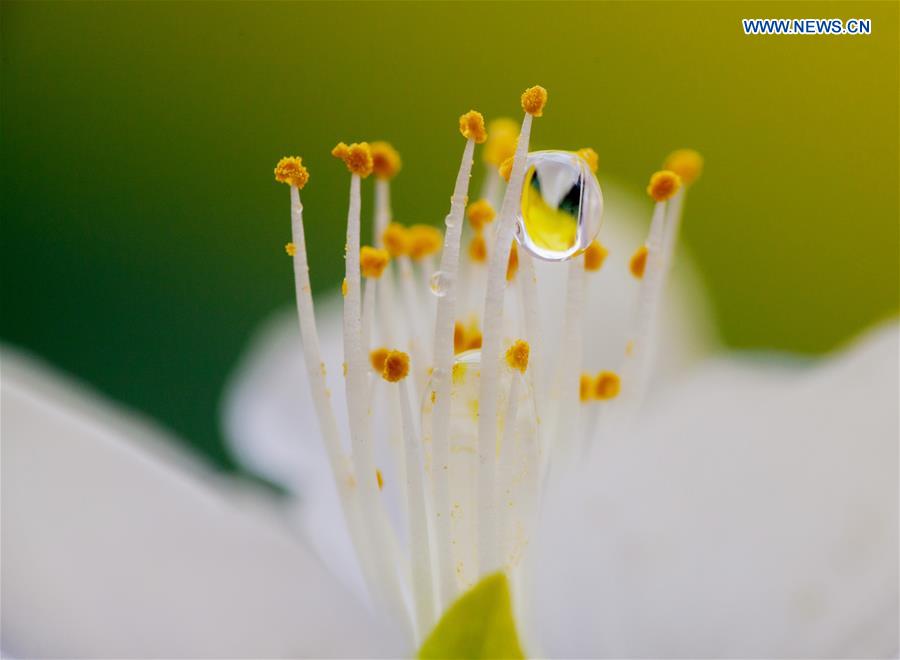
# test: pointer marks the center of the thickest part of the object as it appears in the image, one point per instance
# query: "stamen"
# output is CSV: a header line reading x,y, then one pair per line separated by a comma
x,y
638,262
512,264
585,387
607,386
686,163
385,165
594,256
532,102
517,355
373,261
290,249
290,170
480,213
377,358
505,169
472,127
396,367
500,145
663,185
591,158
478,249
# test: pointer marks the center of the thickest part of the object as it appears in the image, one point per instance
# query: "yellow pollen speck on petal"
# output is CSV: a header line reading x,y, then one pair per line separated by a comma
x,y
396,239
517,355
433,396
594,256
344,368
503,133
585,387
385,160
471,125
379,478
607,385
512,266
590,156
459,373
478,249
424,240
480,213
357,157
686,163
373,261
533,100
505,169
663,185
344,288
290,170
638,262
396,366
629,348
377,358
291,249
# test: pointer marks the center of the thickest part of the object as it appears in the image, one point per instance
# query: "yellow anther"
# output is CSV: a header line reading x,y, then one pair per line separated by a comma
x,y
357,157
377,358
638,262
505,168
478,249
512,266
290,170
291,249
379,478
591,157
471,125
686,163
396,239
396,366
466,338
373,261
533,100
517,355
585,387
607,385
594,256
480,213
458,373
344,288
503,134
459,337
663,185
385,160
424,240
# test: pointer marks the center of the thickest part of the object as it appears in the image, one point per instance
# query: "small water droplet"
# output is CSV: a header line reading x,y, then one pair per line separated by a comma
x,y
440,283
561,206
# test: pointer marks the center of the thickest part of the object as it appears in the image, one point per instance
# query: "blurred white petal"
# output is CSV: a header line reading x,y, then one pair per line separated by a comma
x,y
117,545
752,513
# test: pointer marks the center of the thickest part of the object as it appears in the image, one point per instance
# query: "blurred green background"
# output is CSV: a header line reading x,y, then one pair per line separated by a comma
x,y
142,233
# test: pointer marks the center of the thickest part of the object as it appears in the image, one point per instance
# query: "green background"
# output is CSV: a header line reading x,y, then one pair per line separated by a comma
x,y
142,233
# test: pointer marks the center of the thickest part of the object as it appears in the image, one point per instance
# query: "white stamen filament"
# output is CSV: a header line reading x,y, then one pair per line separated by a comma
x,y
443,363
368,318
416,331
532,323
492,320
382,210
567,412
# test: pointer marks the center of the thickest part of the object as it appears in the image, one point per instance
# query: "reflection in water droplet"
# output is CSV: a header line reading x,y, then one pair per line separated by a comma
x,y
561,206
439,283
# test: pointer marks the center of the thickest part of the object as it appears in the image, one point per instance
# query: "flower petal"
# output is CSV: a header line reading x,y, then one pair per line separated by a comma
x,y
752,514
117,545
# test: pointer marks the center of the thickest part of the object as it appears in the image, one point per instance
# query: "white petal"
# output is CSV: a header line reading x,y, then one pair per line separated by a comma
x,y
117,545
752,514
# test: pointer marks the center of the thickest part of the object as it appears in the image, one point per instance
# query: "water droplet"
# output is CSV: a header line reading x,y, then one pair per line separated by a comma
x,y
561,206
439,283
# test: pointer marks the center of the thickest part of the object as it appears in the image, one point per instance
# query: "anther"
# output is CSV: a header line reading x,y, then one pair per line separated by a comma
x,y
533,100
686,163
396,366
590,157
594,256
373,261
471,125
663,185
517,355
480,213
385,160
290,170
638,262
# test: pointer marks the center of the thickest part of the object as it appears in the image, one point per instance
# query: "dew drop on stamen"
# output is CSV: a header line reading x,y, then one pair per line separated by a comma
x,y
439,283
561,206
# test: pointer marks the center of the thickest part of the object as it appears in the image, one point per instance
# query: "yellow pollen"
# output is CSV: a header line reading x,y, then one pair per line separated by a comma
x,y
503,134
480,213
478,249
373,261
591,157
629,348
290,170
512,266
291,249
594,256
663,185
424,240
357,157
471,125
517,355
385,160
607,385
585,387
505,168
433,396
638,262
686,163
396,239
377,358
379,478
459,373
396,366
533,100
344,288
466,338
